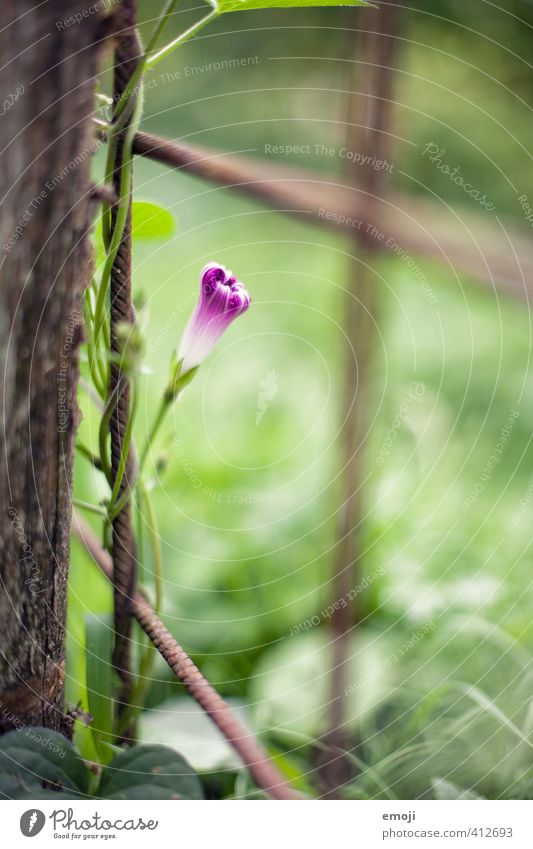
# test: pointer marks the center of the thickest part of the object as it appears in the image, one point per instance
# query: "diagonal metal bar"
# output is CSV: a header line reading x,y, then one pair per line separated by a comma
x,y
261,768
492,251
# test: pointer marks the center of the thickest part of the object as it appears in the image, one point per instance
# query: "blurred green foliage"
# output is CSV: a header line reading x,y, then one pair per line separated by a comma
x,y
247,508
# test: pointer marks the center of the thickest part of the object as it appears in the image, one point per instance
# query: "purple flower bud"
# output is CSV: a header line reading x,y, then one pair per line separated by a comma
x,y
222,299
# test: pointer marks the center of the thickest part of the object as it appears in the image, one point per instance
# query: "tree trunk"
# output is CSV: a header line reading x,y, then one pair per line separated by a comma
x,y
48,58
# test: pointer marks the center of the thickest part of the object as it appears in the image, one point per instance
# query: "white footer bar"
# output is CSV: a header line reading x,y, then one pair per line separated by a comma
x,y
272,825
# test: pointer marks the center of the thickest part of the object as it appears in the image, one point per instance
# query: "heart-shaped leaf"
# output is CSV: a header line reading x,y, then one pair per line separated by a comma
x,y
31,756
14,787
151,221
150,772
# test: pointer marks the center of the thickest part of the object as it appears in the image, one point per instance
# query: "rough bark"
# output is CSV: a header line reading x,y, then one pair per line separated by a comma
x,y
45,153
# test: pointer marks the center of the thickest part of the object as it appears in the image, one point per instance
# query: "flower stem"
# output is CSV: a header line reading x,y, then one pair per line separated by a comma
x,y
103,433
86,505
155,544
88,454
120,220
164,406
124,453
143,681
136,78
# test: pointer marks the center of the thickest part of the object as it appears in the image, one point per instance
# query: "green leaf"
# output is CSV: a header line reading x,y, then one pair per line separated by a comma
x,y
150,221
490,707
98,651
150,772
30,756
13,787
243,5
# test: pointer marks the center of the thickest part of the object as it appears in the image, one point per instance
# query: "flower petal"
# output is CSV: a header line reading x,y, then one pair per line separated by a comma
x,y
222,299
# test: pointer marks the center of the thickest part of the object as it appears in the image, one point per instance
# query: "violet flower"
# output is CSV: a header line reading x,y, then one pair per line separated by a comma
x,y
222,299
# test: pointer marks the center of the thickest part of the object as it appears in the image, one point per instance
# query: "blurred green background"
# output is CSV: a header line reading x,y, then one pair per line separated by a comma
x,y
247,509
